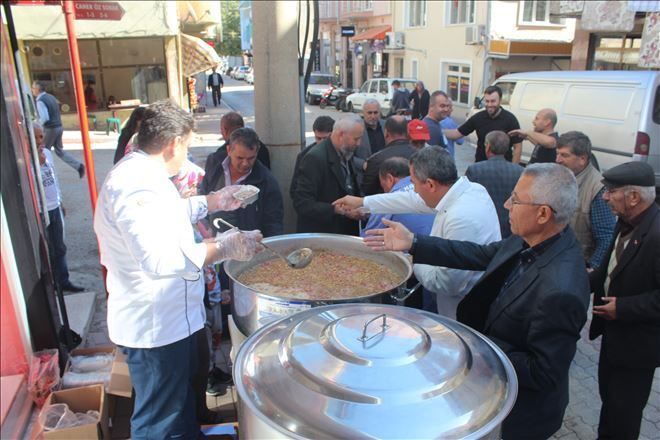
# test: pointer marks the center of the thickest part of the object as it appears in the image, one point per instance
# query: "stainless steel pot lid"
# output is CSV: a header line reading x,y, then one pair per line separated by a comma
x,y
375,371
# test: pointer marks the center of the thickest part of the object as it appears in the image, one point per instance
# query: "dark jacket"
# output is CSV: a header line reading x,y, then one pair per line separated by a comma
x,y
364,150
296,167
536,321
420,104
266,214
400,101
213,166
633,339
320,182
499,177
210,80
370,181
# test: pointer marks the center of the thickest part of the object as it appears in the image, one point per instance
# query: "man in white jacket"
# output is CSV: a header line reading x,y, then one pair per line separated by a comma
x,y
464,211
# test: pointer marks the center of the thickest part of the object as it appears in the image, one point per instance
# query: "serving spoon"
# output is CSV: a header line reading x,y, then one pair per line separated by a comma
x,y
298,259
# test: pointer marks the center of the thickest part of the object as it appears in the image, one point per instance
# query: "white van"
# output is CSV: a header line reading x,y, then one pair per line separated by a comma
x,y
618,110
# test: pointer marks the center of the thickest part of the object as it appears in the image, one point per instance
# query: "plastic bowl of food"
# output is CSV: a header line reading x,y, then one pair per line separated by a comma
x,y
247,194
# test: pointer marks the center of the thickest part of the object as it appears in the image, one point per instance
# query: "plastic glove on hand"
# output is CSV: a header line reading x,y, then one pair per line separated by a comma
x,y
238,245
224,200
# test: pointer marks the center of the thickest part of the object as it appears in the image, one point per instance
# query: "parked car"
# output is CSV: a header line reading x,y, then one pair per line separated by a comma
x,y
240,72
379,89
318,83
618,110
249,77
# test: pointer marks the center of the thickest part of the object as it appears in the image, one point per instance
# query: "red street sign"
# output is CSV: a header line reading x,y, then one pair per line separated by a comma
x,y
36,2
98,10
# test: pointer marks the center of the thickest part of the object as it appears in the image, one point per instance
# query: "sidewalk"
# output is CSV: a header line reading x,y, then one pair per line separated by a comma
x,y
580,420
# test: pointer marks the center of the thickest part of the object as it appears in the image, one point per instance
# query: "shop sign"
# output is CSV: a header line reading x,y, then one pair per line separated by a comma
x,y
348,31
98,10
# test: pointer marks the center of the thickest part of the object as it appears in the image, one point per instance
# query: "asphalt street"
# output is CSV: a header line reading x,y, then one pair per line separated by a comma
x,y
581,419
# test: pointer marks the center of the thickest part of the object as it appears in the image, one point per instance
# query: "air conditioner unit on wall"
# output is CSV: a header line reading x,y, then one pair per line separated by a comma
x,y
394,40
475,34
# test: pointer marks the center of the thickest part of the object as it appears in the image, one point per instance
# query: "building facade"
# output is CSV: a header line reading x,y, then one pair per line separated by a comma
x,y
461,46
138,57
359,56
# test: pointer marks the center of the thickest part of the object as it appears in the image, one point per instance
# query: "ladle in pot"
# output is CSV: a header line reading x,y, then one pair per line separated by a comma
x,y
298,259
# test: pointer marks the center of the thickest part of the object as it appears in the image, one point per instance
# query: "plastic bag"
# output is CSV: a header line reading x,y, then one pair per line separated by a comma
x,y
93,363
72,379
44,375
60,416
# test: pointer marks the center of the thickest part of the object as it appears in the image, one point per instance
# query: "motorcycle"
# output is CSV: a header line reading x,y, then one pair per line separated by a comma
x,y
342,94
328,97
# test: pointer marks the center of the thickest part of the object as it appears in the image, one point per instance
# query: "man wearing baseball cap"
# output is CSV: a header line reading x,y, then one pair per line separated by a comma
x,y
418,132
626,310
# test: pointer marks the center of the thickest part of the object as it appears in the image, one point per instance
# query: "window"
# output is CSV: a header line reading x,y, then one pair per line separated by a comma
x,y
124,68
461,12
413,68
416,13
374,87
399,67
537,12
507,91
382,88
458,82
616,53
365,87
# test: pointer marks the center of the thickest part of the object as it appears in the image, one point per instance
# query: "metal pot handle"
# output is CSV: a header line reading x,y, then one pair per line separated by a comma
x,y
364,337
408,292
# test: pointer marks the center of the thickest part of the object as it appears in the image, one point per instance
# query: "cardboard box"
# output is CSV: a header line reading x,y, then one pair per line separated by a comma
x,y
81,400
120,379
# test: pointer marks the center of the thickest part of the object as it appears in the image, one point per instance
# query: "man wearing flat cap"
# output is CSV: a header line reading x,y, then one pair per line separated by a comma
x,y
626,308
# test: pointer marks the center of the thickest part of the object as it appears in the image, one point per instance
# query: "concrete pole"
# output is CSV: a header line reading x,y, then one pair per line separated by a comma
x,y
276,93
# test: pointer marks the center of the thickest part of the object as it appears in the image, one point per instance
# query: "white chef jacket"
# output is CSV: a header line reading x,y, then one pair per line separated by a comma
x,y
144,229
466,213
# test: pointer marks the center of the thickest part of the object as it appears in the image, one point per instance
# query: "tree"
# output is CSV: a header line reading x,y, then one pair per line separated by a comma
x,y
231,29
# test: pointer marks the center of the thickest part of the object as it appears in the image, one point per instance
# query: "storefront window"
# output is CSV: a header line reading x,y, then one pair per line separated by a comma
x,y
458,82
129,68
616,53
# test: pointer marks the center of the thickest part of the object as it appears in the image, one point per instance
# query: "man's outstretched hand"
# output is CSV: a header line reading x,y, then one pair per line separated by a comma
x,y
393,238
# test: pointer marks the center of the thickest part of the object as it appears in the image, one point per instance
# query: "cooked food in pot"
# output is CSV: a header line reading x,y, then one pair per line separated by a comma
x,y
330,275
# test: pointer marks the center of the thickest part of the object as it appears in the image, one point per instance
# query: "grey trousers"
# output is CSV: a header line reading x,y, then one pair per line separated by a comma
x,y
53,139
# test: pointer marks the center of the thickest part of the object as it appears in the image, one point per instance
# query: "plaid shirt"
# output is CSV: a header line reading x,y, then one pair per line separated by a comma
x,y
602,228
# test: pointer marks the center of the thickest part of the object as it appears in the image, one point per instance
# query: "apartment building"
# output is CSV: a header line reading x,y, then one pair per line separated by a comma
x,y
462,46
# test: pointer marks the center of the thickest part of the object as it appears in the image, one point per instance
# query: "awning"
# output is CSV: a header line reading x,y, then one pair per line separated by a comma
x,y
375,33
197,55
506,48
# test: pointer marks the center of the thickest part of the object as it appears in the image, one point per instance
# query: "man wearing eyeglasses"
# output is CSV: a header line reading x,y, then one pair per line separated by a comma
x,y
627,301
532,299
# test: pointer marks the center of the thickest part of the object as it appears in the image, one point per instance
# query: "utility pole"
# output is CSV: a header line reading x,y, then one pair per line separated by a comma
x,y
277,101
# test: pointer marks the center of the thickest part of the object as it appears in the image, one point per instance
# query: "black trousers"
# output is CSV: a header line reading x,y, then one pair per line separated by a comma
x,y
217,95
624,392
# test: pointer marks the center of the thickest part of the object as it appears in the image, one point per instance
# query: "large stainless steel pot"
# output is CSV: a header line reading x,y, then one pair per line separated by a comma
x,y
375,371
252,309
